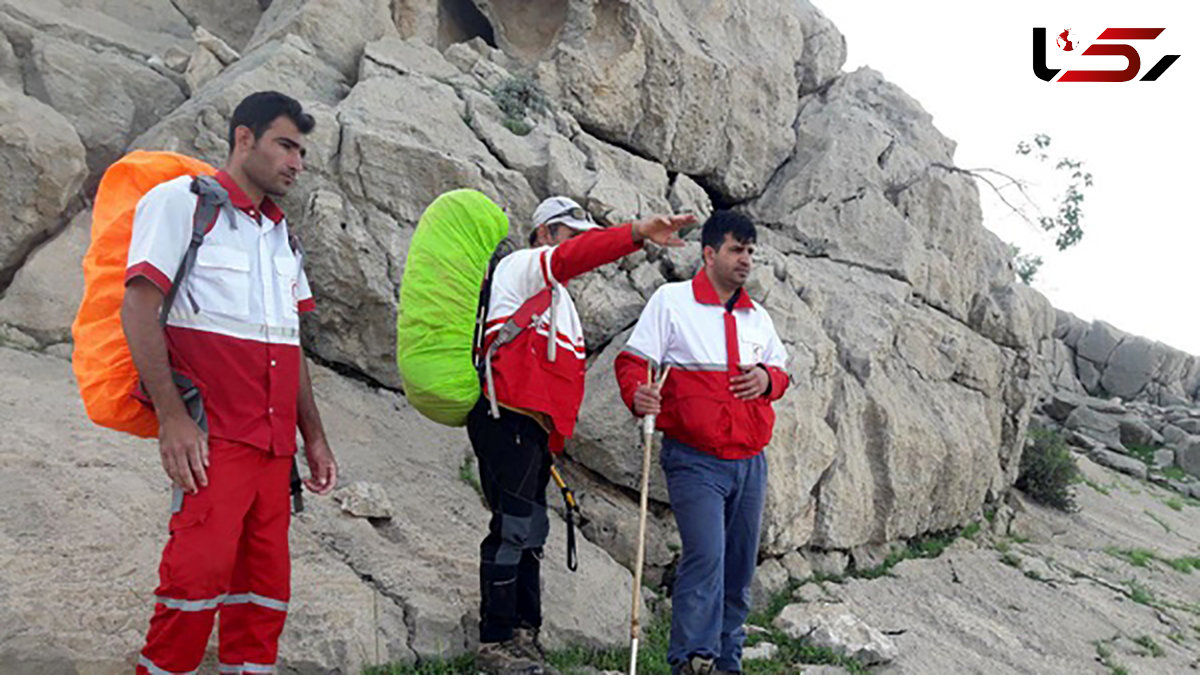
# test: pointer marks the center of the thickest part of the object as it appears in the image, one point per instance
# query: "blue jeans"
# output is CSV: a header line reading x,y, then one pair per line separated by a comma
x,y
718,506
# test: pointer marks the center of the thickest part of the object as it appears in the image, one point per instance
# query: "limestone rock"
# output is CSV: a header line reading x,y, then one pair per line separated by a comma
x,y
1136,432
1132,365
407,586
760,651
219,48
1103,428
364,500
1187,456
770,578
338,31
612,60
1098,342
231,21
10,66
797,566
45,167
45,293
134,28
833,627
1116,460
202,66
827,563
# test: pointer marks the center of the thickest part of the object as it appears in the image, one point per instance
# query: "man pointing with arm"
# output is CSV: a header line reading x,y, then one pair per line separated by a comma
x,y
535,368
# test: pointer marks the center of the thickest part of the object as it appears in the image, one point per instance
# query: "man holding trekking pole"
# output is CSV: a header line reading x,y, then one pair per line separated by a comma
x,y
715,413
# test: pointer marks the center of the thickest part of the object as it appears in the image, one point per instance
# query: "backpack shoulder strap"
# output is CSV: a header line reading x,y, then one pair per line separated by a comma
x,y
210,199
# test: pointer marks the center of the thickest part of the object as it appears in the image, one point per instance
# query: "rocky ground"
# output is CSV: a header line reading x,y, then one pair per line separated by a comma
x,y
83,520
1107,589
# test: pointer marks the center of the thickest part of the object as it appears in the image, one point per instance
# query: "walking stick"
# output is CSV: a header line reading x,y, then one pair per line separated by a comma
x,y
647,438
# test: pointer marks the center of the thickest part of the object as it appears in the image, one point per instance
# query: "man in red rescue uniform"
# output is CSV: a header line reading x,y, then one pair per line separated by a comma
x,y
531,400
233,331
727,366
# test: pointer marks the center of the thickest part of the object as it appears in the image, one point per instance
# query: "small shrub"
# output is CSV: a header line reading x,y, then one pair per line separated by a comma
x,y
1048,470
971,530
1175,503
517,97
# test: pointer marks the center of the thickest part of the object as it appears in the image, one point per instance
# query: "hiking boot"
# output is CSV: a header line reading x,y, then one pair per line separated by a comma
x,y
527,640
697,665
506,658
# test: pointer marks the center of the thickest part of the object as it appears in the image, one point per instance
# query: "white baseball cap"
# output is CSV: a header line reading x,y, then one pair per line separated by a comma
x,y
566,211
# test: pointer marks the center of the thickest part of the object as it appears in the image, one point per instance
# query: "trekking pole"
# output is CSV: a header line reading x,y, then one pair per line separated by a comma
x,y
647,439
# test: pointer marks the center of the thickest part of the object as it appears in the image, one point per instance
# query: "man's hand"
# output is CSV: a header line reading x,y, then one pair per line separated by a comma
x,y
647,400
183,448
321,466
752,383
661,229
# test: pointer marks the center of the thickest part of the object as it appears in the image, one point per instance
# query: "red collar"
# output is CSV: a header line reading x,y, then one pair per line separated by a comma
x,y
705,294
239,199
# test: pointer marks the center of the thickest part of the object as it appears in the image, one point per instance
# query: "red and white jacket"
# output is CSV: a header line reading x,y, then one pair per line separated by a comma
x,y
685,326
525,379
234,329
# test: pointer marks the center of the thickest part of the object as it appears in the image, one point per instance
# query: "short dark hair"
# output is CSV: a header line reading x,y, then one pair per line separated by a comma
x,y
552,228
258,110
725,222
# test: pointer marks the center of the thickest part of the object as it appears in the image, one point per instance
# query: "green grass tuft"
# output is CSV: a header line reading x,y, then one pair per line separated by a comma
x,y
1146,642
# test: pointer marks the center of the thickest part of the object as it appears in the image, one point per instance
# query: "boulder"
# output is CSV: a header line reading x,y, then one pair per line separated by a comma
x,y
45,293
45,167
1122,463
1102,427
833,627
109,99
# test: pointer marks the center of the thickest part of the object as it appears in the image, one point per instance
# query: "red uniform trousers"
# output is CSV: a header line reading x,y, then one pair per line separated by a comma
x,y
228,550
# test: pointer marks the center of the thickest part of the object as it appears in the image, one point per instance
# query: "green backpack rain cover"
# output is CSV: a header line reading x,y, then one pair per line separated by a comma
x,y
439,298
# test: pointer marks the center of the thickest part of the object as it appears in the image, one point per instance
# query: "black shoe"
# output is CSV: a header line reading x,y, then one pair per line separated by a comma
x,y
506,658
697,665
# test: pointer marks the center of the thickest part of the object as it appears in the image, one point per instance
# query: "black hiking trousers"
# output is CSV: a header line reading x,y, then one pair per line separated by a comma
x,y
514,470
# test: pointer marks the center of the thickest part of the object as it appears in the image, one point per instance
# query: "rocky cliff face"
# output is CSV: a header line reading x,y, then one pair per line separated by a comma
x,y
916,359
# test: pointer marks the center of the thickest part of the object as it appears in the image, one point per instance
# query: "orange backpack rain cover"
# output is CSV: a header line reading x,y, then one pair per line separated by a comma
x,y
103,366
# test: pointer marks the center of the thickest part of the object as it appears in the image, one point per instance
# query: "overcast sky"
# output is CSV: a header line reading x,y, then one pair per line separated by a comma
x,y
969,64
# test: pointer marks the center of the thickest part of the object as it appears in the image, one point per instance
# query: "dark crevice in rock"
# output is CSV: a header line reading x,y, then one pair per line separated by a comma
x,y
186,17
350,372
602,135
74,206
875,432
330,544
461,21
657,508
599,348
887,153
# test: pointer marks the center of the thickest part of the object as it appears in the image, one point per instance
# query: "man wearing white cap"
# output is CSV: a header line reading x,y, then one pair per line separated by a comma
x,y
534,361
